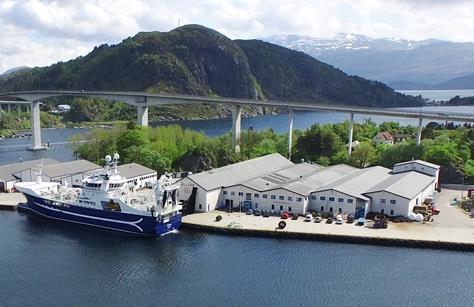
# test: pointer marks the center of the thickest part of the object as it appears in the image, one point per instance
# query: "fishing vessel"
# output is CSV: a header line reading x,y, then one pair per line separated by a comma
x,y
107,201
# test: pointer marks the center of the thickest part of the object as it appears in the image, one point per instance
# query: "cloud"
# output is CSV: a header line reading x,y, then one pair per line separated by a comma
x,y
41,32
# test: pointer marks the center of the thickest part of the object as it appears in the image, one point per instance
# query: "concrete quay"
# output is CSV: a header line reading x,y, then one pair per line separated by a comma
x,y
452,229
10,201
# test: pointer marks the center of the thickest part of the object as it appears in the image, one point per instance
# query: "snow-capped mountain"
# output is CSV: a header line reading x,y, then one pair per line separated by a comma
x,y
388,60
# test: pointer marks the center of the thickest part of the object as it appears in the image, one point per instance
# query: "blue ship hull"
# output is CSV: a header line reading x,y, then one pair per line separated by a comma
x,y
111,220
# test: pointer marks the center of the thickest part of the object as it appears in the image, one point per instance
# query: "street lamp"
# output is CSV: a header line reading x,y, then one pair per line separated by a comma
x,y
462,182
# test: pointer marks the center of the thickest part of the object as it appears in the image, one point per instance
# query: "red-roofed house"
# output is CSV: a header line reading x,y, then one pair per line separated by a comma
x,y
383,138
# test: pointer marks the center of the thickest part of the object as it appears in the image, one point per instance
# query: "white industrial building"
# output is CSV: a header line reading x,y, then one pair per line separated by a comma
x,y
137,175
7,179
274,183
70,173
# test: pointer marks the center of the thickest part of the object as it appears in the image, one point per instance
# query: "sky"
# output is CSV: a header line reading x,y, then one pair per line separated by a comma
x,y
43,32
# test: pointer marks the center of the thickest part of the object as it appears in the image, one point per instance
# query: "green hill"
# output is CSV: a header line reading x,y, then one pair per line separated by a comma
x,y
199,61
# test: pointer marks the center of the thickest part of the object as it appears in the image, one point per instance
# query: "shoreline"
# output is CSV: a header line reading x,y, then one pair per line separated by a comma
x,y
380,239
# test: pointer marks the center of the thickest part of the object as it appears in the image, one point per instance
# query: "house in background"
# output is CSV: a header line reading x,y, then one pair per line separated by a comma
x,y
383,138
401,137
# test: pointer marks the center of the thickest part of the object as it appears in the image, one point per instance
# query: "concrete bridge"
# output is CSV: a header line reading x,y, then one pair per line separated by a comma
x,y
143,100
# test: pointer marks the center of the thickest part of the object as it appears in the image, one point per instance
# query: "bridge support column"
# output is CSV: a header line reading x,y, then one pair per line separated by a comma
x,y
18,108
418,135
36,126
351,132
9,108
290,132
236,127
142,115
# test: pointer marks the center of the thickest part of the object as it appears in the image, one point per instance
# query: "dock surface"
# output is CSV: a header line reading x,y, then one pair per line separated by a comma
x,y
452,229
9,201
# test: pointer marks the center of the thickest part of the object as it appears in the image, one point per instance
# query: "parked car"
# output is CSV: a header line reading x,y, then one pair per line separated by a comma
x,y
350,219
249,212
294,217
339,219
329,220
265,213
308,218
318,219
257,212
361,221
285,215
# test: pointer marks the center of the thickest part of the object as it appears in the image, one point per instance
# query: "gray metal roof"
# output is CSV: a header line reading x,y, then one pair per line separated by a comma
x,y
282,177
407,184
428,164
358,182
319,178
7,170
64,169
241,172
131,170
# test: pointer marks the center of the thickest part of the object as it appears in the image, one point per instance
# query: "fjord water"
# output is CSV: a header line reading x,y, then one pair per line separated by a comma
x,y
53,264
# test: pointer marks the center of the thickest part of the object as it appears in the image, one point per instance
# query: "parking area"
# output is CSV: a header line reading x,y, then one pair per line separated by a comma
x,y
451,225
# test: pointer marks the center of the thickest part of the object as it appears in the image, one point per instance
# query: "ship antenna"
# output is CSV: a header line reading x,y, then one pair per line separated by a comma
x,y
38,174
116,158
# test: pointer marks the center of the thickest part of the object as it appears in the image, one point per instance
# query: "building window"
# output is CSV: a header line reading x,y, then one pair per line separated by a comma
x,y
273,207
290,198
417,201
281,208
281,197
289,209
241,193
256,195
248,196
256,206
350,200
299,199
313,197
331,198
391,212
200,206
340,210
273,197
232,193
322,198
265,196
393,201
225,192
383,200
382,211
330,209
341,200
322,208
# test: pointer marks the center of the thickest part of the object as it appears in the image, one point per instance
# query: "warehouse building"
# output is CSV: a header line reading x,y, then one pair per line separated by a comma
x,y
274,183
7,179
68,173
137,175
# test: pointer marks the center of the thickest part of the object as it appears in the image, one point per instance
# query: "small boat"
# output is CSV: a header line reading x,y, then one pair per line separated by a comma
x,y
107,201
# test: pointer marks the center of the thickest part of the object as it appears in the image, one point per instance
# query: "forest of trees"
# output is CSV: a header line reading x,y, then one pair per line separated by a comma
x,y
171,148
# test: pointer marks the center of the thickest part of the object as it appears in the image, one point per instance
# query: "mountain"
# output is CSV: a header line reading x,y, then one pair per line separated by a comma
x,y
199,61
13,70
387,59
461,83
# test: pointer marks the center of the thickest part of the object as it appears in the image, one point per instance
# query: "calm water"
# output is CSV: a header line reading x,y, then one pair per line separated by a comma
x,y
49,264
439,95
